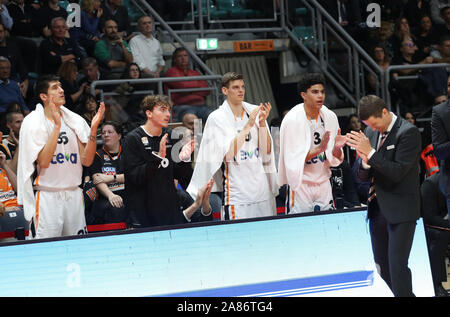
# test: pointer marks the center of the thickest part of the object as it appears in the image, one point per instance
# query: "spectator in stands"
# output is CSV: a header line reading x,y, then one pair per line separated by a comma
x,y
89,107
382,36
382,59
414,10
426,35
113,9
353,124
11,143
130,101
406,90
113,52
92,72
346,12
402,31
188,121
5,18
10,50
9,88
150,170
8,186
107,175
88,33
23,15
68,73
187,101
437,230
442,52
146,49
57,49
436,7
443,28
410,117
435,79
47,14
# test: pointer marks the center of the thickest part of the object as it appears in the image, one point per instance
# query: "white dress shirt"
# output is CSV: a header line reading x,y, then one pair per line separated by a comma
x,y
394,118
147,52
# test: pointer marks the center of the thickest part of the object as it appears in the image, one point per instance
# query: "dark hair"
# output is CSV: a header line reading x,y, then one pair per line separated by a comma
x,y
443,39
126,72
43,83
150,101
443,9
371,105
175,53
87,96
89,61
116,125
309,79
229,77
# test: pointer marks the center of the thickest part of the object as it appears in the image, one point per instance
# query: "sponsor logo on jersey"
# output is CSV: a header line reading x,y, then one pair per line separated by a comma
x,y
61,158
247,155
318,159
109,170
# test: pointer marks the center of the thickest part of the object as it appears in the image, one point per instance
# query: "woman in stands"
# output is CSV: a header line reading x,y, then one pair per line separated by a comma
x,y
68,72
89,107
88,33
109,179
131,103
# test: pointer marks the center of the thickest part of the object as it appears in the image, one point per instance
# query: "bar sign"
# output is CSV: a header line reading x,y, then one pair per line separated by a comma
x,y
253,46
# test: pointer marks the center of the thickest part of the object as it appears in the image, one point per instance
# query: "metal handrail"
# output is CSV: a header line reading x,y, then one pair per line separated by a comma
x,y
357,52
160,81
387,75
175,36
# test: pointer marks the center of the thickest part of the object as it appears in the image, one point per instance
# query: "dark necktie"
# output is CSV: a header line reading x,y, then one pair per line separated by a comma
x,y
372,193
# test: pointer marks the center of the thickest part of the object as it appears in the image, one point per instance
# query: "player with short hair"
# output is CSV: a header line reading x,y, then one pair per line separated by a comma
x,y
151,163
59,142
237,147
310,143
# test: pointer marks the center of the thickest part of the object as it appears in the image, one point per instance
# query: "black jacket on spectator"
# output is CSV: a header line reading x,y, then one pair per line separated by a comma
x,y
50,62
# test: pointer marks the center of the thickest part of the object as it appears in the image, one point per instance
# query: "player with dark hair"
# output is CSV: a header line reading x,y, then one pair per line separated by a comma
x,y
59,142
310,143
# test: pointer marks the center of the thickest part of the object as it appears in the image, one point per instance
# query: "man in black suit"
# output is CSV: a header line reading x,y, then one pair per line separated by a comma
x,y
440,135
390,150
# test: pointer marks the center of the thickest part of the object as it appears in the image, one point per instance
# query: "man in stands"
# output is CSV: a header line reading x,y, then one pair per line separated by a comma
x,y
146,49
10,145
187,101
112,51
9,89
57,49
113,9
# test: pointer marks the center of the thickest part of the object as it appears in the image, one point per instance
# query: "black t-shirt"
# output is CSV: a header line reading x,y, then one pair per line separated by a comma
x,y
109,164
150,193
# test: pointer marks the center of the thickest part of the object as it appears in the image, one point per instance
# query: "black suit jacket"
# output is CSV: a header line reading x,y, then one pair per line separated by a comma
x,y
440,134
395,168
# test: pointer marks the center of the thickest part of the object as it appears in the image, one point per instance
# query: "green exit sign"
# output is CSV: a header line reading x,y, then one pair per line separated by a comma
x,y
207,44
